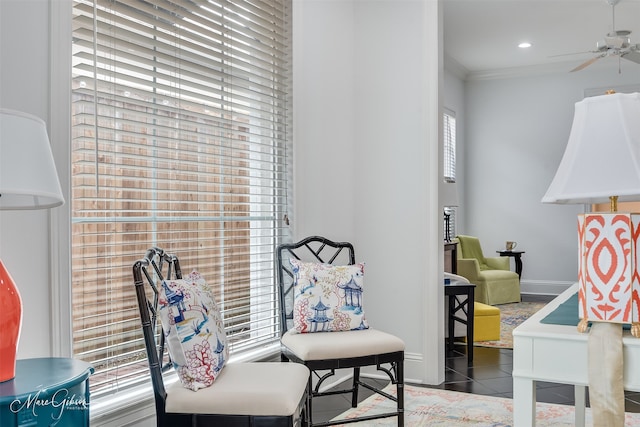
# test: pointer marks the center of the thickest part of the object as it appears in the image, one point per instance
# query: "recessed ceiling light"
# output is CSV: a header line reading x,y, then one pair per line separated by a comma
x,y
524,45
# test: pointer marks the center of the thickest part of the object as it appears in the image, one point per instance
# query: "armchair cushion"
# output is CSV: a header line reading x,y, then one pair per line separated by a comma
x,y
193,329
328,298
497,263
469,268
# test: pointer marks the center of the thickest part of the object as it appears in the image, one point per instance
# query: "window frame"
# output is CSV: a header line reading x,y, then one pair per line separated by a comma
x,y
61,327
449,164
60,135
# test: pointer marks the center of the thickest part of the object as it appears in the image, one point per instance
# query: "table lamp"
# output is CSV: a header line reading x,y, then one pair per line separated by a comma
x,y
28,180
449,199
602,163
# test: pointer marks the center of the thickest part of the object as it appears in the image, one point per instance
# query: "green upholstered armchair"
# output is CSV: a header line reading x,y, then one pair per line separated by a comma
x,y
495,282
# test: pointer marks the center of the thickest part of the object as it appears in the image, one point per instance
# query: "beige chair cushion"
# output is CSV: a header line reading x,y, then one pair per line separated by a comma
x,y
262,388
336,345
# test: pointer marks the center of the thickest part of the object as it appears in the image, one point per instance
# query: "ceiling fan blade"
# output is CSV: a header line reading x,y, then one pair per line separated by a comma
x,y
633,56
586,64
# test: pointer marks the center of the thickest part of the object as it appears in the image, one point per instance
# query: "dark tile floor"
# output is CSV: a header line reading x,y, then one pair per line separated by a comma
x,y
490,375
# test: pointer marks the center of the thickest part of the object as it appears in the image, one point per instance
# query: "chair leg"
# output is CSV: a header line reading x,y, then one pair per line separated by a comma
x,y
309,406
354,392
306,421
400,392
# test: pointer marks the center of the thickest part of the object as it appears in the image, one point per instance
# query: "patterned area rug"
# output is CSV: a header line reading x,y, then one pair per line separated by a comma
x,y
511,315
433,407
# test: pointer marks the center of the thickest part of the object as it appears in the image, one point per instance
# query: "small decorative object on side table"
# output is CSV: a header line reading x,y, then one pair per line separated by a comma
x,y
516,257
49,391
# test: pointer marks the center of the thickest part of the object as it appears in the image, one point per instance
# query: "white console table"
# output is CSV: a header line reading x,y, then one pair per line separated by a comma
x,y
558,354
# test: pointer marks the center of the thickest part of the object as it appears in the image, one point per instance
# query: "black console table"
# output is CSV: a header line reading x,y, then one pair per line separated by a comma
x,y
455,293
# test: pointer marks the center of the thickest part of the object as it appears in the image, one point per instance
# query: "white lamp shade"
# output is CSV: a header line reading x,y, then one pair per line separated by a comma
x,y
602,157
28,177
449,194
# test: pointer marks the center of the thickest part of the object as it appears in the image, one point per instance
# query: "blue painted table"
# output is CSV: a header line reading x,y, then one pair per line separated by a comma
x,y
50,391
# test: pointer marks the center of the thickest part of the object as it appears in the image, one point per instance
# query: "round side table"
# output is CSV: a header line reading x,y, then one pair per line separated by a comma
x,y
49,391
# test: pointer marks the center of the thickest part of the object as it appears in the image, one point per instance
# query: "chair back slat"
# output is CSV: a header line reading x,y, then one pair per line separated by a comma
x,y
148,274
311,249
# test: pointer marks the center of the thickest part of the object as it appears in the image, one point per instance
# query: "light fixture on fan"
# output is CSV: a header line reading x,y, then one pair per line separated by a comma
x,y
28,180
616,43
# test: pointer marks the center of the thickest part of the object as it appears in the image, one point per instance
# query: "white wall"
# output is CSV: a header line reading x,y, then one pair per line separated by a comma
x,y
516,130
324,112
366,131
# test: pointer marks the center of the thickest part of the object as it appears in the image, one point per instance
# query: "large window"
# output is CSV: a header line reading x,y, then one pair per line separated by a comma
x,y
181,113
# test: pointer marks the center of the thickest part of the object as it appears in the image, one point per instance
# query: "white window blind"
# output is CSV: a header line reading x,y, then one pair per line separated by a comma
x,y
449,162
181,128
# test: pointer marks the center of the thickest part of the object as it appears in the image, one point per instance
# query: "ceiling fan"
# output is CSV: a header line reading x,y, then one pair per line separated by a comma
x,y
616,43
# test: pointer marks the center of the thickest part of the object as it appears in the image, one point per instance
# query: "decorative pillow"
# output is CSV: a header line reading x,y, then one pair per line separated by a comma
x,y
193,330
328,298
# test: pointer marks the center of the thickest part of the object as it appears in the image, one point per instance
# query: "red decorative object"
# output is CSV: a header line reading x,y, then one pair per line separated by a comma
x,y
11,315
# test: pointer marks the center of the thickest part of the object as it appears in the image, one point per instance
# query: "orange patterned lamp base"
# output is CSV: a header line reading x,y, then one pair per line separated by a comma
x,y
608,275
10,322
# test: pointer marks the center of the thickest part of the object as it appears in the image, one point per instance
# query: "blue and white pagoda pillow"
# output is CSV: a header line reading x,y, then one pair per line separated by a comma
x,y
193,330
328,298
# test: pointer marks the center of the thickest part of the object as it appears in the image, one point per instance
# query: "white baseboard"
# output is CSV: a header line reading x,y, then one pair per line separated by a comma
x,y
542,287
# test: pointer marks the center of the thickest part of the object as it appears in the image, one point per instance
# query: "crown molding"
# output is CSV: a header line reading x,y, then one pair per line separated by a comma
x,y
454,67
551,68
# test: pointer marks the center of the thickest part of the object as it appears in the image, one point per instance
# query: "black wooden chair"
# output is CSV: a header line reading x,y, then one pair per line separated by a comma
x,y
324,352
261,394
